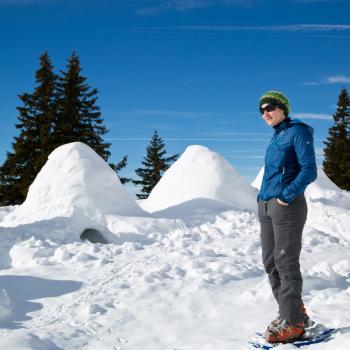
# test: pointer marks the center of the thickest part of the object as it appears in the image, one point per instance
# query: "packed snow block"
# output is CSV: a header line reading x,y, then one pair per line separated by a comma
x,y
75,181
201,174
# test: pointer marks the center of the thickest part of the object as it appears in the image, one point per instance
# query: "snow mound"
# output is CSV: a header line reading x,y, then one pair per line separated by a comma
x,y
326,191
200,174
258,180
32,252
74,181
322,186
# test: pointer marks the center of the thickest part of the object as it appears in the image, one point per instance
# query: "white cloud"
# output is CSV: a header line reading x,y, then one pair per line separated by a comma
x,y
312,116
187,5
248,156
294,28
316,1
172,113
230,134
311,83
165,113
253,151
338,79
23,2
189,139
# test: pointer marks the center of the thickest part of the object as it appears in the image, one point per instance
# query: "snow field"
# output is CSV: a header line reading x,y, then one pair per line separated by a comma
x,y
187,277
185,263
198,286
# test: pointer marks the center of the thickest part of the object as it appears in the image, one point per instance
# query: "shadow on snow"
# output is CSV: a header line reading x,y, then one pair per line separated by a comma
x,y
22,290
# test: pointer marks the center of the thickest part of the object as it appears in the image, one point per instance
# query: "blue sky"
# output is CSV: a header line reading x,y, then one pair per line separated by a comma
x,y
192,69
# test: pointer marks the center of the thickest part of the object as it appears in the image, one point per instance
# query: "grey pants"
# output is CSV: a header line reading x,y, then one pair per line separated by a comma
x,y
281,233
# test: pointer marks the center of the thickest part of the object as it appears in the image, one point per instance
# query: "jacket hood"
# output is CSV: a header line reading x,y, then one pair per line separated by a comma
x,y
298,122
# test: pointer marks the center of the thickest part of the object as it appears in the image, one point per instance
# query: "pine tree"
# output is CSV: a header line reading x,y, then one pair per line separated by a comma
x,y
33,144
155,164
78,117
337,151
120,165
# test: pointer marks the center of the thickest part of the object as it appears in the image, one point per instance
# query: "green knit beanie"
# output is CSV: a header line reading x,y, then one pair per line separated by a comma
x,y
276,98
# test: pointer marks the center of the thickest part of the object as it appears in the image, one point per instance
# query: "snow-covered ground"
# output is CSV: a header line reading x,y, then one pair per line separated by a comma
x,y
188,276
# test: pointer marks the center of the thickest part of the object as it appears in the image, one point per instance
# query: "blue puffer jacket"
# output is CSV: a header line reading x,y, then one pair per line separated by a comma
x,y
290,163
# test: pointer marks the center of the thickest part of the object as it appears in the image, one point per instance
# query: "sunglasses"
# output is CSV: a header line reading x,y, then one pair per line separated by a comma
x,y
268,108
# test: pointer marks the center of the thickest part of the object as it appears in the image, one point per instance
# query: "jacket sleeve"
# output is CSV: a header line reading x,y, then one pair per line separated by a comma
x,y
305,154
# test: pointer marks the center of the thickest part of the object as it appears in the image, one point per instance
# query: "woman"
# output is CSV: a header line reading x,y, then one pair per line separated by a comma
x,y
290,166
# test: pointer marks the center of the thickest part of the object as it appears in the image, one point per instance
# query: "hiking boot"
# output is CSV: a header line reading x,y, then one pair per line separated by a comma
x,y
308,322
275,322
284,332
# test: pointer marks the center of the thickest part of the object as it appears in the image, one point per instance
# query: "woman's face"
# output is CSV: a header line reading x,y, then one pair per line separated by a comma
x,y
272,117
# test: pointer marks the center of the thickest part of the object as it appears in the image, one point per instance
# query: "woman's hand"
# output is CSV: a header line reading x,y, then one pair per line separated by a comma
x,y
281,203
